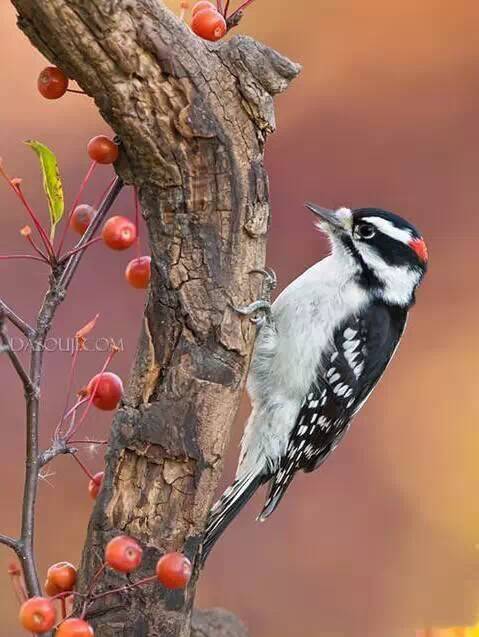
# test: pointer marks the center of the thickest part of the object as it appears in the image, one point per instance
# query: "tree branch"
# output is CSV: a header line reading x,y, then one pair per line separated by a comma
x,y
6,348
19,323
59,282
11,543
193,118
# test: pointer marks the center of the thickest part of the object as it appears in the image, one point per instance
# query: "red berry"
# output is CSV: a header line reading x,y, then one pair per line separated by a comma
x,y
108,392
50,588
81,217
94,485
63,576
74,627
37,615
119,233
123,554
209,24
174,570
102,150
202,4
138,272
52,83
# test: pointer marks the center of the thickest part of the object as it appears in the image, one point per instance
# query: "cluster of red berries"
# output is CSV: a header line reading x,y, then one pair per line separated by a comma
x,y
207,21
123,554
119,233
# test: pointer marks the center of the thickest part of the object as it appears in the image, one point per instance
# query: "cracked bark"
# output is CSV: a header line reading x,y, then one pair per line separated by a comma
x,y
193,118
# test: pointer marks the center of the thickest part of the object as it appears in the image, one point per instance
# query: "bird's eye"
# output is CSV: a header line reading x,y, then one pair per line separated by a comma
x,y
365,231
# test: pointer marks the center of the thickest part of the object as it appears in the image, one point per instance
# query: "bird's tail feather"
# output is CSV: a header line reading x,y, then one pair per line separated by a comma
x,y
279,483
228,507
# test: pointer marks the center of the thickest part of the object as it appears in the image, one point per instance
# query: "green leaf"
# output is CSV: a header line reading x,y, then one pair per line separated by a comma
x,y
52,182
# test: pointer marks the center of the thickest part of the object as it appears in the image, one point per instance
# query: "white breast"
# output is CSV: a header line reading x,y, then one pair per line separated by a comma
x,y
285,360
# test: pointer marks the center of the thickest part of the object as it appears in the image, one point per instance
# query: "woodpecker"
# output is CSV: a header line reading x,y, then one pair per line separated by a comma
x,y
320,350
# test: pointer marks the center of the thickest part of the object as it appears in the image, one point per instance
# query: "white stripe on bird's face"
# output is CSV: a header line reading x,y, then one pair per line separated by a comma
x,y
387,227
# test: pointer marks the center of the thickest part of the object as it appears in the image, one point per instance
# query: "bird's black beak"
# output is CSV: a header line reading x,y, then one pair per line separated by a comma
x,y
339,219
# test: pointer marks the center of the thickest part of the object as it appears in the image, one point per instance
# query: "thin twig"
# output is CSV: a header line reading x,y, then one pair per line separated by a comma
x,y
13,544
58,448
38,250
35,460
17,364
69,254
19,323
31,257
83,467
88,442
124,589
41,231
95,223
71,412
91,588
71,375
86,179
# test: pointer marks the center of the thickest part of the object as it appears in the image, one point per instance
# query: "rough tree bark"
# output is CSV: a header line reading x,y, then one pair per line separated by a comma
x,y
192,118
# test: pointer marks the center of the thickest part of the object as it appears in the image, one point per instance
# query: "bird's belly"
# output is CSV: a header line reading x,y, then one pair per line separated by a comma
x,y
285,361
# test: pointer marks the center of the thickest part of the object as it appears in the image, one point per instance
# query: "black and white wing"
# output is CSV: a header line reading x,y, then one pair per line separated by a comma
x,y
348,372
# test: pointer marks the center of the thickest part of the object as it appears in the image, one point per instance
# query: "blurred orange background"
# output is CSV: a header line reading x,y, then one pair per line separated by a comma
x,y
383,539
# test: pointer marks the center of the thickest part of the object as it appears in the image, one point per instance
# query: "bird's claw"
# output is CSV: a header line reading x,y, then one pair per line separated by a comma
x,y
254,308
270,282
263,305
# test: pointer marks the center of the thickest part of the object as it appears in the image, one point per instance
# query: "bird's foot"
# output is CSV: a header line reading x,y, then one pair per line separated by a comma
x,y
260,311
270,281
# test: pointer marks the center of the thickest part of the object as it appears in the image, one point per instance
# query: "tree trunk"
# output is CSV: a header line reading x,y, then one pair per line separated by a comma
x,y
192,118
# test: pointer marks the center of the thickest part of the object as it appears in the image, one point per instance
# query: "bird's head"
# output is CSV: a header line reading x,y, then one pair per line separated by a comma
x,y
390,254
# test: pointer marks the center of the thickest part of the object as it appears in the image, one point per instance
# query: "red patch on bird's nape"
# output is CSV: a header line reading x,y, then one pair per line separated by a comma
x,y
420,248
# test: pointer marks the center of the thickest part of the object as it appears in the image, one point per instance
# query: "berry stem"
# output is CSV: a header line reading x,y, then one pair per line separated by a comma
x,y
83,467
124,589
73,90
67,255
88,442
239,9
227,6
103,194
63,604
15,186
137,219
41,231
65,594
71,376
95,223
71,412
90,398
36,248
91,588
83,184
31,257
